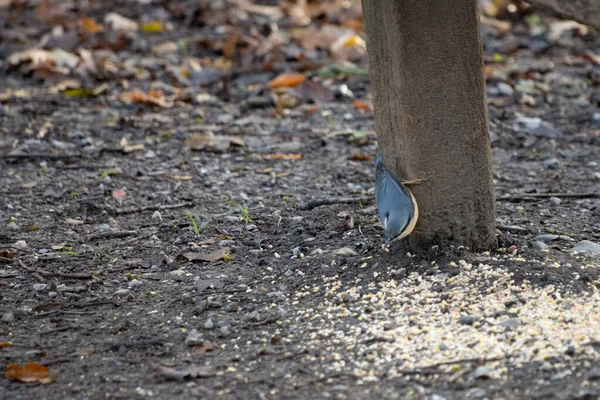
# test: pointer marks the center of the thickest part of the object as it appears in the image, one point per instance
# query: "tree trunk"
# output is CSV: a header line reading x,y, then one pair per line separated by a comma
x,y
426,70
584,11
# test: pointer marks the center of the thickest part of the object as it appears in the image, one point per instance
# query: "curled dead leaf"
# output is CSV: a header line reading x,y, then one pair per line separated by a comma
x,y
361,157
31,372
286,80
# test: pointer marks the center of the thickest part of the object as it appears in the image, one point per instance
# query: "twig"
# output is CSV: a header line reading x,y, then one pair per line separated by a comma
x,y
325,202
511,228
432,369
153,208
39,274
527,196
55,330
23,156
111,234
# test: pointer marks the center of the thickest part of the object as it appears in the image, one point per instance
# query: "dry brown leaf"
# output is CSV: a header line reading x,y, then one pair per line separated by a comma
x,y
31,372
361,157
282,156
287,79
6,254
90,26
5,344
192,371
154,97
231,44
360,105
206,346
220,254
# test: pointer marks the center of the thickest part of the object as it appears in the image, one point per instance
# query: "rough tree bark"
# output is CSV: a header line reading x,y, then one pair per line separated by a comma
x,y
584,11
426,70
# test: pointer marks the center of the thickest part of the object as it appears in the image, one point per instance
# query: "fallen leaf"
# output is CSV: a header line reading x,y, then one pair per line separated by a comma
x,y
210,141
5,344
32,228
345,251
273,12
361,157
152,27
360,105
220,254
206,346
286,80
90,26
192,371
282,156
316,92
152,98
6,254
31,372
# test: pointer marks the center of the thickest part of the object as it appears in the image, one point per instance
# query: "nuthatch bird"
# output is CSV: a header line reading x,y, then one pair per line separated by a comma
x,y
396,206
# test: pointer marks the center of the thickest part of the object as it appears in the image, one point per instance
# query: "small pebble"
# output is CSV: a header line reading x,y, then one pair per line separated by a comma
x,y
122,292
157,216
255,252
12,226
251,227
484,371
467,319
8,317
224,331
232,307
52,294
39,286
510,323
135,283
476,393
555,201
209,324
585,246
552,163
539,245
546,238
193,338
20,245
253,316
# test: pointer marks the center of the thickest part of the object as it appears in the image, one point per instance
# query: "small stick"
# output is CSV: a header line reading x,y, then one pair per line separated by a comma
x,y
325,202
39,274
153,208
525,196
111,234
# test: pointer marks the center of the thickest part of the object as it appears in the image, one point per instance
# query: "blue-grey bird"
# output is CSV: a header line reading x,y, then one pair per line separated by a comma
x,y
396,206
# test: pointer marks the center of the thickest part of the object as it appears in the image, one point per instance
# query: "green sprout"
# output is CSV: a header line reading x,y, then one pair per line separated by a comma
x,y
194,225
245,215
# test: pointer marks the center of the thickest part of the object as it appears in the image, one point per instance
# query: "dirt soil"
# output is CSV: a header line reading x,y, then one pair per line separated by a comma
x,y
163,244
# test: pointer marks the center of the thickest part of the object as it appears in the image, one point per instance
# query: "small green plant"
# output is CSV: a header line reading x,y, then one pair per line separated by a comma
x,y
194,225
245,215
